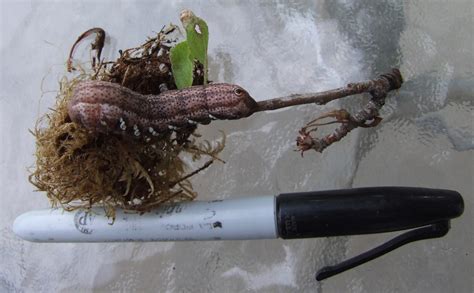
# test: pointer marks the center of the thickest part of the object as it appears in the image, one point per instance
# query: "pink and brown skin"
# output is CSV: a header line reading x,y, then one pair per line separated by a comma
x,y
104,107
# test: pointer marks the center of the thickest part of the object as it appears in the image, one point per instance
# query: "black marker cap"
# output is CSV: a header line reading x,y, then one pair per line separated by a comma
x,y
363,210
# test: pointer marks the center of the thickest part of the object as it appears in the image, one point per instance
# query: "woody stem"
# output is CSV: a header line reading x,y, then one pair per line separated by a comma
x,y
376,87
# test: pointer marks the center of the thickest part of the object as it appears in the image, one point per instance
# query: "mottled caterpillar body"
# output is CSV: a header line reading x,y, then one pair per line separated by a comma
x,y
105,107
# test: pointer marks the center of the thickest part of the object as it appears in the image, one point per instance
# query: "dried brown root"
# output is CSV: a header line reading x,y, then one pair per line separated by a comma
x,y
79,170
367,117
97,46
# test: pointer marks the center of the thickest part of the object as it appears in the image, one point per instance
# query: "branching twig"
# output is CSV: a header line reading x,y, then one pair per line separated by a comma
x,y
367,117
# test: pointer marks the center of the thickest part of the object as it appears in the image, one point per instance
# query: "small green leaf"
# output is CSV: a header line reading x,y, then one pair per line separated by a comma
x,y
197,36
182,65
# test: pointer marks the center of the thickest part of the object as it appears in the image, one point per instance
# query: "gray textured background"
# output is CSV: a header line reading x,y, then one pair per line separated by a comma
x,y
272,49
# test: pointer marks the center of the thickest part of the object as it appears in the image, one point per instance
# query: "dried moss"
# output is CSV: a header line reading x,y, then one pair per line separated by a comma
x,y
79,170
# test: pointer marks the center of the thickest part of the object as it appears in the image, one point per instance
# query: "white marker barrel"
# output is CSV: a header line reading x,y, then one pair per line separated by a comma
x,y
233,219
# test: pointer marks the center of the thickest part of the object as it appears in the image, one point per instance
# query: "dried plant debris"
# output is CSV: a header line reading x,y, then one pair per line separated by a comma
x,y
78,169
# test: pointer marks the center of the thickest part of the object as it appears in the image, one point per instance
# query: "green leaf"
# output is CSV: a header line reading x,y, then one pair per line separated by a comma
x,y
197,36
182,65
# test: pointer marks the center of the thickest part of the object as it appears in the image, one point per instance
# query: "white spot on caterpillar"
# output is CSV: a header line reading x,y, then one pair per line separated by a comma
x,y
136,131
191,121
151,130
163,87
102,122
197,29
171,127
122,124
212,117
147,139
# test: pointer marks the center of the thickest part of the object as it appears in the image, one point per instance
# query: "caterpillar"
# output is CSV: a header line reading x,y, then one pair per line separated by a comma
x,y
105,107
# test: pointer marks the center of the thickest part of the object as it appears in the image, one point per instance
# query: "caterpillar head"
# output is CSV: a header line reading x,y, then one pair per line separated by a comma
x,y
229,101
